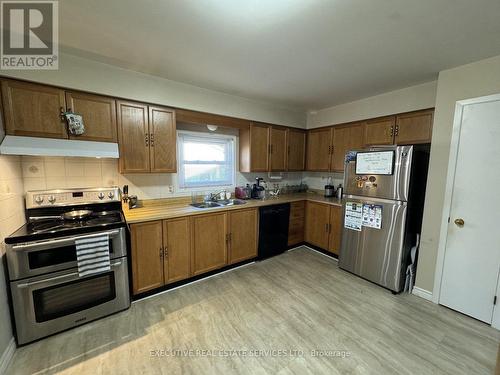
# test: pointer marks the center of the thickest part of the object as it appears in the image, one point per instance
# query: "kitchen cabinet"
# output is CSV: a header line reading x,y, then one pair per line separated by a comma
x,y
278,149
296,150
146,138
412,128
176,249
319,149
296,223
242,235
209,242
345,138
33,110
379,131
147,262
324,226
98,113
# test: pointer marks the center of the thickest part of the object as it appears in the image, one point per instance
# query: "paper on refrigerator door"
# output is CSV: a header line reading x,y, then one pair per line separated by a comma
x,y
372,216
353,216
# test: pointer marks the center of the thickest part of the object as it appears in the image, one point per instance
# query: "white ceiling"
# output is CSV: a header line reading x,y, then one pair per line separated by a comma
x,y
309,54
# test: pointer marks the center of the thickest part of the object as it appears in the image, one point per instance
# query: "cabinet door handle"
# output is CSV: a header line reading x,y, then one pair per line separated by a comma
x,y
161,252
326,228
165,252
396,131
146,139
152,139
392,131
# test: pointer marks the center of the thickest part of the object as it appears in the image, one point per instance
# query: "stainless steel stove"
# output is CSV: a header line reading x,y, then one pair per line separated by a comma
x,y
48,293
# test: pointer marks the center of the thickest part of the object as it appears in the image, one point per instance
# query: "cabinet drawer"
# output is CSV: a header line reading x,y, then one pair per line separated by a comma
x,y
297,210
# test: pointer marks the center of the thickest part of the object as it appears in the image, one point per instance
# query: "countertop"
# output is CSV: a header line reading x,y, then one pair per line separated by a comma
x,y
158,209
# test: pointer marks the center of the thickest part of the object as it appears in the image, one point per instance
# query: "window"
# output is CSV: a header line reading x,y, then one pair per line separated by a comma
x,y
205,160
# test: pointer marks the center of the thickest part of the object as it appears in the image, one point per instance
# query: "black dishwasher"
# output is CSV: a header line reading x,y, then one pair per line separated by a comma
x,y
273,229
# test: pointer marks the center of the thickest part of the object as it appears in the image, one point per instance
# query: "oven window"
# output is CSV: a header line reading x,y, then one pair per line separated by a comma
x,y
55,256
68,298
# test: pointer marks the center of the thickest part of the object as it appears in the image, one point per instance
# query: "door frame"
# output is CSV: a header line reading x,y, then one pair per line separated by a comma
x,y
450,182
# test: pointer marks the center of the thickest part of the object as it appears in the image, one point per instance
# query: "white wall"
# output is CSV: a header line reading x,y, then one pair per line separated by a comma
x,y
405,100
11,218
79,73
469,81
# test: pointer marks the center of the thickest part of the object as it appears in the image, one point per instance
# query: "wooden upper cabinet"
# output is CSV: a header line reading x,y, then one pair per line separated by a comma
x,y
33,110
176,249
319,145
98,113
296,150
278,149
133,132
162,134
380,131
254,148
345,138
210,239
335,230
414,127
317,224
242,228
147,262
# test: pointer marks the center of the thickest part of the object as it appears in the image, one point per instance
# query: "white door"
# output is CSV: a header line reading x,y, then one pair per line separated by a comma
x,y
472,255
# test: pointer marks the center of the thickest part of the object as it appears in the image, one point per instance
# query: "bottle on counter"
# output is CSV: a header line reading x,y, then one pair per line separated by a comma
x,y
339,191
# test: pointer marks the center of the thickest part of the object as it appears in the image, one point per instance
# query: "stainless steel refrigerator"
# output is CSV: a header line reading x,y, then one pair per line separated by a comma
x,y
382,208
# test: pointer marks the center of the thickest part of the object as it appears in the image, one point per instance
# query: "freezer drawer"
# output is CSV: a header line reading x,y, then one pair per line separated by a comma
x,y
377,254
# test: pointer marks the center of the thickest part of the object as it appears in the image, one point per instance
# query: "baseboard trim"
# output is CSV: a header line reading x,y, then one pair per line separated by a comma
x,y
422,293
7,356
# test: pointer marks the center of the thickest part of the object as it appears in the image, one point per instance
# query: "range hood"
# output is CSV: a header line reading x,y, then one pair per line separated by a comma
x,y
15,145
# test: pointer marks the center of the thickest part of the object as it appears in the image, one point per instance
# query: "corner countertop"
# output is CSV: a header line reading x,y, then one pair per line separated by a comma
x,y
159,209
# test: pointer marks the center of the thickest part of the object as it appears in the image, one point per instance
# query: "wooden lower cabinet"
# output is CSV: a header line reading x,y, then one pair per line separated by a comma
x,y
324,226
296,223
147,258
209,245
335,230
242,230
176,249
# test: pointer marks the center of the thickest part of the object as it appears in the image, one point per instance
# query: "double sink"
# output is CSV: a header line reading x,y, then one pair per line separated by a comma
x,y
220,203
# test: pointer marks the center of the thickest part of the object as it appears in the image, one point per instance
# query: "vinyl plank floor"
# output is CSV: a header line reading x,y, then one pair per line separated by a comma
x,y
297,313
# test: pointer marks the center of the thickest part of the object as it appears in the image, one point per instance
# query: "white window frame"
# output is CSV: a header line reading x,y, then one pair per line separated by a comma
x,y
226,139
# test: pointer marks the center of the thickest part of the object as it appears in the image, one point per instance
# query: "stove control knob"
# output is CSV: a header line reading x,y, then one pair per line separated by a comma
x,y
101,195
39,199
111,195
52,199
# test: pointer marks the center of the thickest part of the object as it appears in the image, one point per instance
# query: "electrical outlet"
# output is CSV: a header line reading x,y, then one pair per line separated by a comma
x,y
170,189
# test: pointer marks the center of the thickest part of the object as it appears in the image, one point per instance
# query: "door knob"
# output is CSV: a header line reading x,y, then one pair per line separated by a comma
x,y
459,222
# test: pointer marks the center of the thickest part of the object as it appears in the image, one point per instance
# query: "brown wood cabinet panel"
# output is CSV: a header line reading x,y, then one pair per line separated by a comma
x,y
177,249
242,231
317,221
278,149
380,131
296,150
259,148
335,235
163,145
319,144
98,113
33,110
345,138
133,133
147,260
209,242
414,127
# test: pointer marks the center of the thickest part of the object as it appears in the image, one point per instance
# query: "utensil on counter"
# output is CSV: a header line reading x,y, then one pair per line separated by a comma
x,y
329,188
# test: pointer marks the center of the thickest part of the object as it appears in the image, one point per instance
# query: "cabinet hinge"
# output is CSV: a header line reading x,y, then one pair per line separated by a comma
x,y
495,300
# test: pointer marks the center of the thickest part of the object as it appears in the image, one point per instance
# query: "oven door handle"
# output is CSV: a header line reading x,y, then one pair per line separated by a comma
x,y
60,277
61,241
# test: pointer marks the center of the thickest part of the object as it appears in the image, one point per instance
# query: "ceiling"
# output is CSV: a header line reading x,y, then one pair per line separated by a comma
x,y
307,54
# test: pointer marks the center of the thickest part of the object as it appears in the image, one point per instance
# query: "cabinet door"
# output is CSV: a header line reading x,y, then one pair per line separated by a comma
x,y
242,235
133,137
98,113
162,139
278,149
209,248
147,256
259,148
296,223
345,138
335,229
414,127
177,250
296,157
317,220
380,131
319,143
33,110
